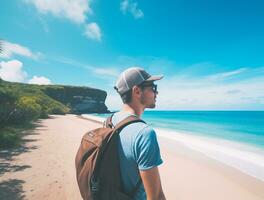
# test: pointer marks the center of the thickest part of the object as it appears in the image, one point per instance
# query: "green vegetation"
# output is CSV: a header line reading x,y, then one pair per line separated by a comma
x,y
20,105
10,136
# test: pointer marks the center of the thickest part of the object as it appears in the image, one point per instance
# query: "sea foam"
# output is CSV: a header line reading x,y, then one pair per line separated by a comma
x,y
249,160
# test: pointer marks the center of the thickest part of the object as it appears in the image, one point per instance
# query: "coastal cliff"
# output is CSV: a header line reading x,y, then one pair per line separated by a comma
x,y
21,104
55,99
79,99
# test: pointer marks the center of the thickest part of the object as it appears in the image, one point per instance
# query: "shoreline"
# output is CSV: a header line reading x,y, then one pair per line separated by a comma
x,y
44,167
176,148
245,160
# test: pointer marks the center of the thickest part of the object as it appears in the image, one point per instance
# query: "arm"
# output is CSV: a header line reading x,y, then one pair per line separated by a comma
x,y
152,184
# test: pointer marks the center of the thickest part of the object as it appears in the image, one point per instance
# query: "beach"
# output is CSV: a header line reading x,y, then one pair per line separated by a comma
x,y
44,167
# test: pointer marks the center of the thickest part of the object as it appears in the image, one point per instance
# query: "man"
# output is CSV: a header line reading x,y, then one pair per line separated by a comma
x,y
138,147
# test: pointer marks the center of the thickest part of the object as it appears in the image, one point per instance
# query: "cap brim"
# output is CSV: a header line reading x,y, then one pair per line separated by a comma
x,y
155,78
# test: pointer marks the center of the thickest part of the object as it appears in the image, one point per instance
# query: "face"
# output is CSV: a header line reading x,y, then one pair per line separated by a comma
x,y
149,94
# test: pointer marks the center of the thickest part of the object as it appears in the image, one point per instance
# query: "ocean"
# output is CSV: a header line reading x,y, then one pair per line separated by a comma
x,y
235,138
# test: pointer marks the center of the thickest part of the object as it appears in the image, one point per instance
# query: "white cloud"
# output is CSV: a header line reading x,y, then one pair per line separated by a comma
x,y
203,93
137,13
93,31
228,74
40,80
44,24
73,63
11,49
110,72
113,100
124,5
235,90
12,71
132,7
74,10
107,72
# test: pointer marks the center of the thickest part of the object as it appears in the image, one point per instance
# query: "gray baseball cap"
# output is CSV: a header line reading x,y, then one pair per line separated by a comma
x,y
131,77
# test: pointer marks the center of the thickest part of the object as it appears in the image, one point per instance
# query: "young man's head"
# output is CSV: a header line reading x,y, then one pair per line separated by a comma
x,y
136,86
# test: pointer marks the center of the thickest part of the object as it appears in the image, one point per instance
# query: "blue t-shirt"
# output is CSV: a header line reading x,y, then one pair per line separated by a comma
x,y
138,150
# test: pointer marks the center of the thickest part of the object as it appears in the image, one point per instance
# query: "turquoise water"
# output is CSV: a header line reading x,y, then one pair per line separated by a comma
x,y
235,138
239,126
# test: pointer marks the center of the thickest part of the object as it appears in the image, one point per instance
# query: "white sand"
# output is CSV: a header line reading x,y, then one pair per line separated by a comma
x,y
46,169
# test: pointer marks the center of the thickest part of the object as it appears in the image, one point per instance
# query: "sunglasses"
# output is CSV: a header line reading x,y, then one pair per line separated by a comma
x,y
153,87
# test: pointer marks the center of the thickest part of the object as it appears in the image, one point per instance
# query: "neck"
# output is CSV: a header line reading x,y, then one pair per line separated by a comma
x,y
133,109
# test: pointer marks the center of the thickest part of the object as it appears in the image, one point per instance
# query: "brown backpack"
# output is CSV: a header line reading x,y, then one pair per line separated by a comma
x,y
97,163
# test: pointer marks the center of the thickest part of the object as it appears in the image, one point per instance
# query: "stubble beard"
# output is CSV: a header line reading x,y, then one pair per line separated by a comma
x,y
148,105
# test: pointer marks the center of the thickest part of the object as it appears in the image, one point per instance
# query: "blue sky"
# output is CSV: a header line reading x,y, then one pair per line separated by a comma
x,y
211,52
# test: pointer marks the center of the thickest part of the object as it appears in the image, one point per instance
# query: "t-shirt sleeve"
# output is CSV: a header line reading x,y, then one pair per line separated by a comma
x,y
146,149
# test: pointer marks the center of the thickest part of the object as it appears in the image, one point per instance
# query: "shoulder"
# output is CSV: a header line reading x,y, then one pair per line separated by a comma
x,y
135,129
139,126
146,149
146,134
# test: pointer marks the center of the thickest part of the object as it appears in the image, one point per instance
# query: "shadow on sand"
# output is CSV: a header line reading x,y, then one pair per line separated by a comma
x,y
12,189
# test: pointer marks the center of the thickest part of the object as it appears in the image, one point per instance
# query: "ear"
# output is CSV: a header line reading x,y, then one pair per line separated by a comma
x,y
136,91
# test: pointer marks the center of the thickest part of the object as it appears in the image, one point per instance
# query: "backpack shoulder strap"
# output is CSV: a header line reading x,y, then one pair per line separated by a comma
x,y
108,123
118,127
129,120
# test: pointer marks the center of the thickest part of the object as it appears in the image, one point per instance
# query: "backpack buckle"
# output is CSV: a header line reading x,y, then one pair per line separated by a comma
x,y
95,185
